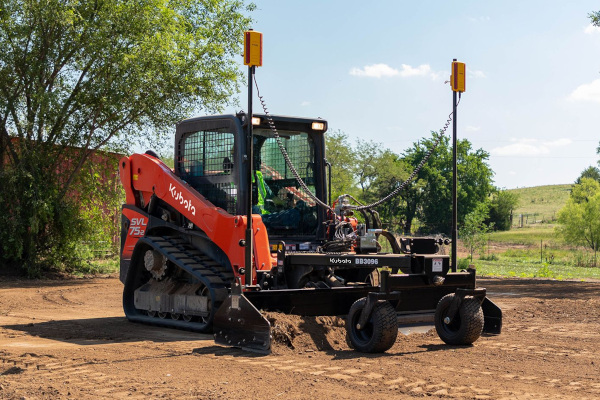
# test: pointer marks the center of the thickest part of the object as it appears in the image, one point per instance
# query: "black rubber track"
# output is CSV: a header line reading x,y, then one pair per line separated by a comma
x,y
467,325
216,277
381,330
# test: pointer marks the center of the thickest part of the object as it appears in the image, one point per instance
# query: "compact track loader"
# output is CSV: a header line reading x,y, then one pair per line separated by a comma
x,y
191,260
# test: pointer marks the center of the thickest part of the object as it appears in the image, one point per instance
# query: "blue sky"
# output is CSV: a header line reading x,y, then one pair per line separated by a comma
x,y
376,71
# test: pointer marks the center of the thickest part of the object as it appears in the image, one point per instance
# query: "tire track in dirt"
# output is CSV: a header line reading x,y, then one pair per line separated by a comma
x,y
517,386
58,297
81,379
360,376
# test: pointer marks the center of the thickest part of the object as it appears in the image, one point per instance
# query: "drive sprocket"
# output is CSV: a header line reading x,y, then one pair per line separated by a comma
x,y
155,263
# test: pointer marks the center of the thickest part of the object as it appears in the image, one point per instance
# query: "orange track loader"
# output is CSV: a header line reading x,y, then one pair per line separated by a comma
x,y
184,243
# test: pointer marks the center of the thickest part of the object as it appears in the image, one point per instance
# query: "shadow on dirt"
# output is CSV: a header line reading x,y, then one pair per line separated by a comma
x,y
24,283
444,347
95,331
227,351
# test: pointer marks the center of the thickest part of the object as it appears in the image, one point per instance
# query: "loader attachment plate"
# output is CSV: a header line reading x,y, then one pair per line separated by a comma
x,y
238,323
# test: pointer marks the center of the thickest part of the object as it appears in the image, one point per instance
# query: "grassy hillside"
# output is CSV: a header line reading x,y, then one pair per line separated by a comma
x,y
536,249
541,202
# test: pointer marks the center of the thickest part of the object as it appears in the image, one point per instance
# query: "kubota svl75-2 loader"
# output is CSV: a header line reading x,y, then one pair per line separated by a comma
x,y
184,242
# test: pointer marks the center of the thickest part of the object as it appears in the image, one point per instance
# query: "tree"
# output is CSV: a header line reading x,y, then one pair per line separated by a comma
x,y
97,75
501,207
367,167
342,158
595,18
391,172
434,201
474,229
580,217
590,172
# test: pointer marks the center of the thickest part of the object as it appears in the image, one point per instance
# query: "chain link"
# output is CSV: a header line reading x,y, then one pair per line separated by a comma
x,y
286,157
414,173
361,207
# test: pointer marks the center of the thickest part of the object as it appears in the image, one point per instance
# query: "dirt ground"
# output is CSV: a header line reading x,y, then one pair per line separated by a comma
x,y
69,339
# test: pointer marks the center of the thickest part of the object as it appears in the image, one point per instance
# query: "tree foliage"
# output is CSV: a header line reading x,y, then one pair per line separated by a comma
x,y
590,172
342,158
501,206
392,171
595,18
580,218
95,75
435,198
369,171
473,231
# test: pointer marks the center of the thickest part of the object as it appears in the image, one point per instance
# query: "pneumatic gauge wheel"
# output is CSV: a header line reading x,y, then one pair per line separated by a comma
x,y
467,324
380,332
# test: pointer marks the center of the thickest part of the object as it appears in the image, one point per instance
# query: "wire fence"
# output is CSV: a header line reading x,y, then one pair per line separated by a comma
x,y
522,220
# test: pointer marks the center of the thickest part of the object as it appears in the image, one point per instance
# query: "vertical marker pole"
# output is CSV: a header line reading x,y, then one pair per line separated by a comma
x,y
249,173
253,59
454,183
457,82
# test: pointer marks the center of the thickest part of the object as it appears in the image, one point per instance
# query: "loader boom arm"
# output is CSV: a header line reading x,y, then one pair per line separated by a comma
x,y
143,176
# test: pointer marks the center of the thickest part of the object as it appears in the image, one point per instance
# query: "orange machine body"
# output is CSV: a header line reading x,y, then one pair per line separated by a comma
x,y
143,175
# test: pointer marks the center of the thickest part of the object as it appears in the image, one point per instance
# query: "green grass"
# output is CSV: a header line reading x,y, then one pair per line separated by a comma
x,y
536,250
541,202
99,266
534,269
528,235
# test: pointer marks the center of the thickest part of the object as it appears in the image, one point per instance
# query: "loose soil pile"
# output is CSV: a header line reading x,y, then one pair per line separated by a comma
x,y
295,334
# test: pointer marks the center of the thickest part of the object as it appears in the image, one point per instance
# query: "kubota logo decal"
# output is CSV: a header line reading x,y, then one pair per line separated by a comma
x,y
340,260
179,197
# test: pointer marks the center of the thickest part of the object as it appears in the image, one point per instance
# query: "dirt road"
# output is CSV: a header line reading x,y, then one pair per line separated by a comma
x,y
70,339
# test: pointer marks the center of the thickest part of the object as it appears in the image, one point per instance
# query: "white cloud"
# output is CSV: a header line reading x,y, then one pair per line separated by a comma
x,y
384,70
591,29
305,103
375,71
558,142
473,128
586,92
519,149
476,74
529,147
421,70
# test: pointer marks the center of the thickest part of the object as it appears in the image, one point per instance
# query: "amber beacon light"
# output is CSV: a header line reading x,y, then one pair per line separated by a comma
x,y
457,80
253,48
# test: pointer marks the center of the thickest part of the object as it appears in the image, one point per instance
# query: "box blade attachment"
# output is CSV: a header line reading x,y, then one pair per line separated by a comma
x,y
238,323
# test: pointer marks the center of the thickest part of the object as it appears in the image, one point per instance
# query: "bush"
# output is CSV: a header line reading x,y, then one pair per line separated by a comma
x,y
43,230
490,257
463,263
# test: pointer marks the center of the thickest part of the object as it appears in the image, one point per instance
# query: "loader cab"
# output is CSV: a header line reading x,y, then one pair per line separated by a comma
x,y
210,153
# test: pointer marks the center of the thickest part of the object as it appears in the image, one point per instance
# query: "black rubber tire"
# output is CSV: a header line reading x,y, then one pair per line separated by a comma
x,y
381,330
467,325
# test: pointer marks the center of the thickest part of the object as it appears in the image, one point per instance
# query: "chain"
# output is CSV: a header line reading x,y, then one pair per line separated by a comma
x,y
286,157
414,173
